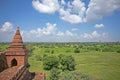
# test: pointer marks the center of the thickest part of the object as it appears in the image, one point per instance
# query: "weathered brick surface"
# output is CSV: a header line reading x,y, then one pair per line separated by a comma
x,y
39,76
9,73
16,73
20,60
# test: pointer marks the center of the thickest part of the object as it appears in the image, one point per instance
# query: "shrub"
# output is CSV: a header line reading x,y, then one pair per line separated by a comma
x,y
47,51
67,63
75,76
54,74
29,54
52,52
49,62
107,49
76,50
118,51
68,50
38,58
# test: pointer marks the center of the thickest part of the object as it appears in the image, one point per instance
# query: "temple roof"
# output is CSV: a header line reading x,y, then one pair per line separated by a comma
x,y
10,73
16,47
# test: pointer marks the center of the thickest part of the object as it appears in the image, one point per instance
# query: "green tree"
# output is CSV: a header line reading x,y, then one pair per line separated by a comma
x,y
70,63
54,74
76,50
49,62
38,58
74,76
52,52
118,51
67,63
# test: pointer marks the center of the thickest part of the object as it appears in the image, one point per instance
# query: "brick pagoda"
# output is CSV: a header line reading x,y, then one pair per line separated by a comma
x,y
17,54
14,62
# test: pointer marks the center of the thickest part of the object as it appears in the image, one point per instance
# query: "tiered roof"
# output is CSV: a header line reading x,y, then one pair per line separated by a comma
x,y
16,47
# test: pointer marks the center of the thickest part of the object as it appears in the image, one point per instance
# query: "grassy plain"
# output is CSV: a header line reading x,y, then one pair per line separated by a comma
x,y
99,65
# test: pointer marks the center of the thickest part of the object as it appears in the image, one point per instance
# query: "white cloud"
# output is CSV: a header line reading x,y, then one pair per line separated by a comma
x,y
92,35
95,34
66,16
68,33
59,34
6,32
74,13
99,26
74,29
46,6
87,36
7,27
49,30
105,35
67,36
46,33
63,2
97,9
49,33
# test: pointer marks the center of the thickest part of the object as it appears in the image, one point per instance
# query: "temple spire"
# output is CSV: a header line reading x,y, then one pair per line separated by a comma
x,y
17,38
17,51
17,44
17,27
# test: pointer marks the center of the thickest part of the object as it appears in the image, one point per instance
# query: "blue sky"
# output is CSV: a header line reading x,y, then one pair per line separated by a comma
x,y
60,20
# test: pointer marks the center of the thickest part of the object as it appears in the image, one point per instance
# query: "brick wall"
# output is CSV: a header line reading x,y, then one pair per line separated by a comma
x,y
20,60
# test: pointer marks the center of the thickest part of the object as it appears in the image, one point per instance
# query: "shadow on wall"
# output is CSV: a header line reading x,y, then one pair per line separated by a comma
x,y
3,62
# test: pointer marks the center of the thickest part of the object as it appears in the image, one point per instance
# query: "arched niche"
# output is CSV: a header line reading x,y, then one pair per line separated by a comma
x,y
14,62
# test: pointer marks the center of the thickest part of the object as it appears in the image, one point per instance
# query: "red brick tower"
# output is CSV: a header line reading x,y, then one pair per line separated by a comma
x,y
17,54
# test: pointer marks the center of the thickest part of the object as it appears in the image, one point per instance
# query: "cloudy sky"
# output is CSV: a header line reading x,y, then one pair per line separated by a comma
x,y
60,20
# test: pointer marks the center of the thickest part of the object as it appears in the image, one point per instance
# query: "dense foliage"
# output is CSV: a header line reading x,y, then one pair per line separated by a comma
x,y
77,50
75,47
50,62
75,76
66,63
62,62
54,74
3,46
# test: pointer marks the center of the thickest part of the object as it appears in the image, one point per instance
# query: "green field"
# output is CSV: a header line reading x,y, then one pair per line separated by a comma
x,y
99,65
98,60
